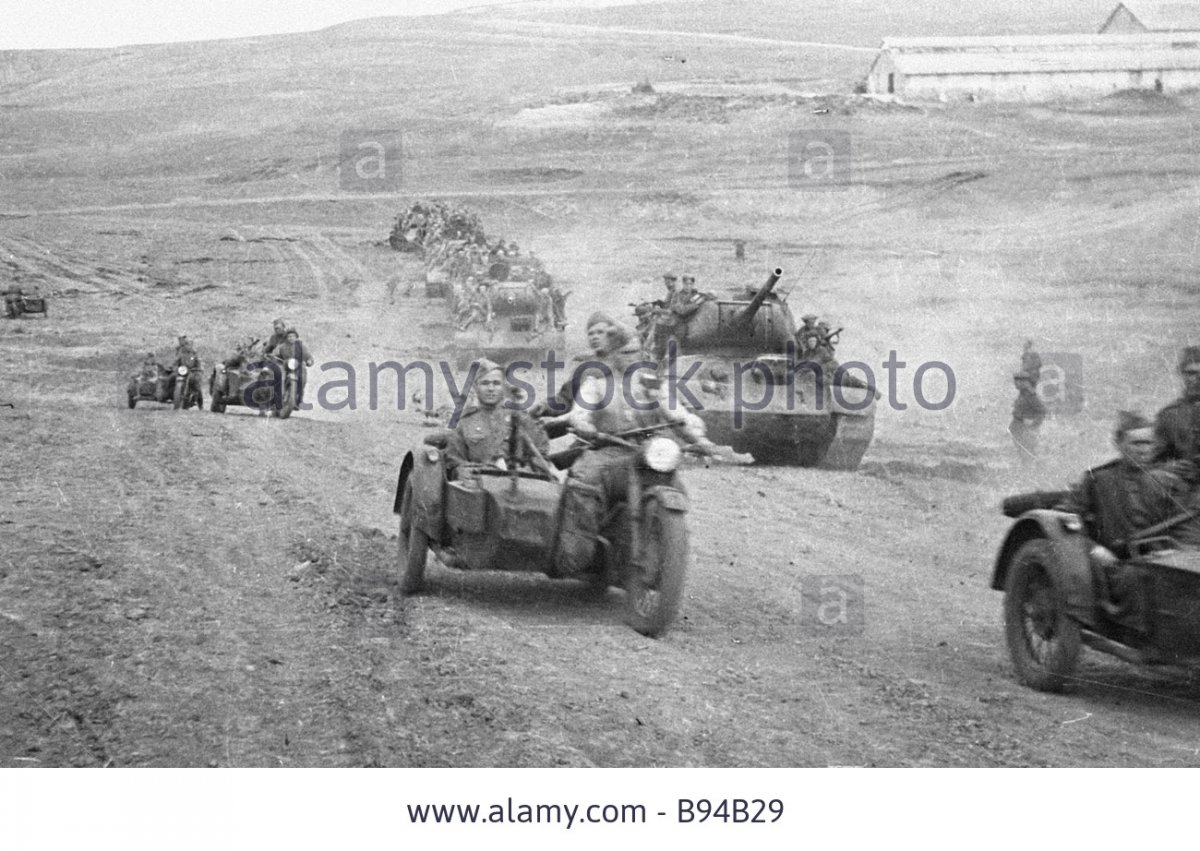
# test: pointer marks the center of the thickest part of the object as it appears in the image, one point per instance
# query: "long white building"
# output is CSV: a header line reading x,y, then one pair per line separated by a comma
x,y
1035,68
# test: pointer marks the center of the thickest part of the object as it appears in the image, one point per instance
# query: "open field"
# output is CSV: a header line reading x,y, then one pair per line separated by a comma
x,y
192,589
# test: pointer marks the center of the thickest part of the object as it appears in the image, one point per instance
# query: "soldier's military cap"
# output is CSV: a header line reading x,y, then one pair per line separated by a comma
x,y
1022,375
1190,355
809,318
670,276
485,366
1128,421
598,317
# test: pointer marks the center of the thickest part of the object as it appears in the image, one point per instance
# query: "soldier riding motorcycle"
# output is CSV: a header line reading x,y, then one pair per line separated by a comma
x,y
184,381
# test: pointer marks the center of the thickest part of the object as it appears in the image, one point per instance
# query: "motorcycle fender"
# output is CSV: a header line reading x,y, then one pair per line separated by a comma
x,y
405,470
1072,568
669,498
429,487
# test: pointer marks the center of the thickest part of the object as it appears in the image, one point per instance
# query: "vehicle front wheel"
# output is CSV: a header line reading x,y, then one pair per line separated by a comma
x,y
179,394
217,406
412,552
654,586
289,401
1043,642
132,399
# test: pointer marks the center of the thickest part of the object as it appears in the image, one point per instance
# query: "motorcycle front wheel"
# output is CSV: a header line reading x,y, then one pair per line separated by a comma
x,y
289,401
653,590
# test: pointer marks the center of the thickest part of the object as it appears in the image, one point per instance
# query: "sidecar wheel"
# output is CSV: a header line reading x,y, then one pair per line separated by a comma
x,y
412,551
1043,642
651,604
132,399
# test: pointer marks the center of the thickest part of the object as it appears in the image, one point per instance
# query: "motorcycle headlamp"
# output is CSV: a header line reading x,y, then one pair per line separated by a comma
x,y
291,363
661,454
183,370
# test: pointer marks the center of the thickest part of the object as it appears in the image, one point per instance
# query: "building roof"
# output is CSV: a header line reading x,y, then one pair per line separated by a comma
x,y
1070,41
1161,17
934,64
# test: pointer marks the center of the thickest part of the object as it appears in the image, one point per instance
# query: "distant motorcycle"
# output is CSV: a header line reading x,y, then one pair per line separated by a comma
x,y
526,520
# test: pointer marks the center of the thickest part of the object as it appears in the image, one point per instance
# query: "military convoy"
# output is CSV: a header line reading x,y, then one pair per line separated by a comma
x,y
759,393
762,391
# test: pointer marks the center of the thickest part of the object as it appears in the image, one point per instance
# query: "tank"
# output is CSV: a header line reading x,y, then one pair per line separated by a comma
x,y
512,323
744,348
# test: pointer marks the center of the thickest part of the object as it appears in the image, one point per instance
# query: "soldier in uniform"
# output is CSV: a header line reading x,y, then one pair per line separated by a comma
x,y
683,306
291,347
149,367
1031,363
1027,416
483,431
1177,426
278,335
1119,499
598,481
1129,493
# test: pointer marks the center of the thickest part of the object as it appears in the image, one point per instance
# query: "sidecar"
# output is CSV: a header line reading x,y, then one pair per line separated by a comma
x,y
142,388
513,520
489,519
1061,594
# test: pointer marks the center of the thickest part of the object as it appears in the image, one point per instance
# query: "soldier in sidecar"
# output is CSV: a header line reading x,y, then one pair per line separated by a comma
x,y
1082,567
151,383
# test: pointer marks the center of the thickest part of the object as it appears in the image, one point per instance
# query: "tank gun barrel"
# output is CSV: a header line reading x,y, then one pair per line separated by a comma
x,y
747,313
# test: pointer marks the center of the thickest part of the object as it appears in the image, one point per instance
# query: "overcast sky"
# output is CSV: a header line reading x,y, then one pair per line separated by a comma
x,y
108,23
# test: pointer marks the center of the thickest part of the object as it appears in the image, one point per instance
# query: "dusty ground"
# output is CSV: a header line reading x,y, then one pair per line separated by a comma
x,y
193,589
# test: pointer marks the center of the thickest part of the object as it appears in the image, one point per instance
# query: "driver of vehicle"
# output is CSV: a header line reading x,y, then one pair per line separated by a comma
x,y
483,430
292,347
1128,494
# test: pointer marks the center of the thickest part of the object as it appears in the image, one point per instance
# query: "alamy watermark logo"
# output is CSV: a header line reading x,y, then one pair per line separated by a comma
x,y
832,604
370,160
820,159
1060,382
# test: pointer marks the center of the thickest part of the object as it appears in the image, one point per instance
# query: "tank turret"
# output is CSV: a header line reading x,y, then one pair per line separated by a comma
x,y
742,325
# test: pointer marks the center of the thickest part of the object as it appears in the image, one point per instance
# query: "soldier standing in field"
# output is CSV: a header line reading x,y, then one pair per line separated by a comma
x,y
1028,414
1031,363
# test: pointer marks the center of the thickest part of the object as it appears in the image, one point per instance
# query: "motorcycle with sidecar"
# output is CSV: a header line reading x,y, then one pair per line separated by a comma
x,y
271,384
489,518
1063,592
